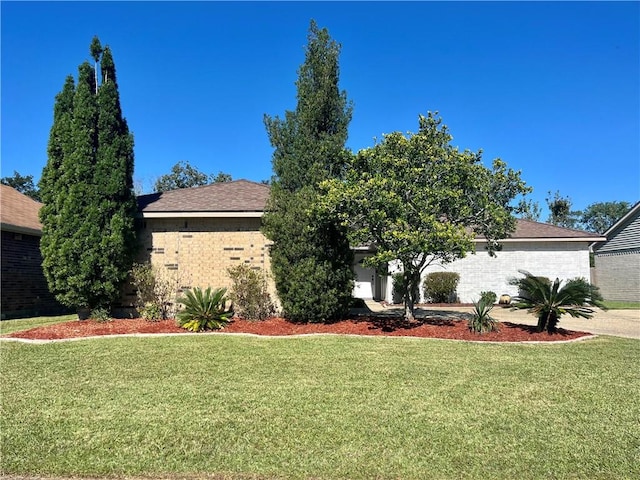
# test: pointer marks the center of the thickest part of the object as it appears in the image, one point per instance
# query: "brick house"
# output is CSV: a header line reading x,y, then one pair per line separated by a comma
x,y
195,234
24,287
540,248
617,260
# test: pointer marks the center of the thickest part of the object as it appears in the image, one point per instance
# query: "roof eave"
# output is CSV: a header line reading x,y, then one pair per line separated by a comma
x,y
7,227
544,239
200,214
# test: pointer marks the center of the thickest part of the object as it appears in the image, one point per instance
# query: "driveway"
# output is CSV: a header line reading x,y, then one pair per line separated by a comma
x,y
619,323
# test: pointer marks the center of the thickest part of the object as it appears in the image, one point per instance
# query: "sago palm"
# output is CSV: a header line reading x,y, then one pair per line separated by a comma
x,y
549,300
204,310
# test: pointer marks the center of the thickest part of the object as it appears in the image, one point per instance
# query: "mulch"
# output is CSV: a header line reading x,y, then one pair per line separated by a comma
x,y
431,327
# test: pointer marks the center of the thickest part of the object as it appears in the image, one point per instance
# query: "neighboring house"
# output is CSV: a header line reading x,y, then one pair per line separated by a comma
x,y
24,288
193,235
617,260
539,248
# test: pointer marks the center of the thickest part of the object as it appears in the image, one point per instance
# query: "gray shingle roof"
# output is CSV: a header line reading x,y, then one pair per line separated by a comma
x,y
246,196
19,212
235,196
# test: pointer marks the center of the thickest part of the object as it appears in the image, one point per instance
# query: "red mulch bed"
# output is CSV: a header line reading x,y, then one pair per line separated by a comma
x,y
433,327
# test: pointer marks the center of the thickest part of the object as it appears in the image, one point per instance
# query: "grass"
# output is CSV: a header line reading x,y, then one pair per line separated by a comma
x,y
618,305
8,326
320,407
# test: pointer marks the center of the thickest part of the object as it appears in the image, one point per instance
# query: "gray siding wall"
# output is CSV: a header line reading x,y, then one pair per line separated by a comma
x,y
617,263
618,275
627,238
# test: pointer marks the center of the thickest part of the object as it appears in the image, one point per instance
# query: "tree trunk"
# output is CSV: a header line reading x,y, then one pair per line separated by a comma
x,y
543,319
552,323
409,309
410,282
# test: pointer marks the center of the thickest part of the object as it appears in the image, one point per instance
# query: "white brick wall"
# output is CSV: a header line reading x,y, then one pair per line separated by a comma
x,y
480,272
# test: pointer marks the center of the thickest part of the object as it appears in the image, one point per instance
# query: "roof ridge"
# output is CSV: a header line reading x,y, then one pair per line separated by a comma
x,y
551,225
199,187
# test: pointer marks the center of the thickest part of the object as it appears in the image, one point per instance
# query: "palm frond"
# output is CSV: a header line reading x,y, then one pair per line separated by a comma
x,y
550,300
204,310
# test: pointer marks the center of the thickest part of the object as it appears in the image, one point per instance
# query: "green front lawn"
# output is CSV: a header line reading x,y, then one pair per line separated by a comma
x,y
617,305
320,407
8,326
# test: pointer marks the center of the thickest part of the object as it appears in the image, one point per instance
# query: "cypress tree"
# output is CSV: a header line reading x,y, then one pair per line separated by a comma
x,y
88,231
311,259
53,188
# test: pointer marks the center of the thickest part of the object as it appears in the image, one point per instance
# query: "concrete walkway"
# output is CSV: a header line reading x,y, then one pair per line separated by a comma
x,y
619,323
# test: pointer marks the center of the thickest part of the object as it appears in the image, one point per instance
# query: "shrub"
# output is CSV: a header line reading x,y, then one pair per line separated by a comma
x,y
204,310
481,320
308,295
488,297
151,311
100,314
399,288
440,287
249,293
154,293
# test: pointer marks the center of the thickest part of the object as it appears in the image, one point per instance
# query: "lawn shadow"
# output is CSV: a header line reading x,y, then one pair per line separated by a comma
x,y
534,329
392,318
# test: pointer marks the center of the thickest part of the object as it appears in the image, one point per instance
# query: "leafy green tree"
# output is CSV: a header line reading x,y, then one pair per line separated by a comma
x,y
88,237
23,184
183,175
528,210
560,213
419,200
599,217
221,177
549,300
311,259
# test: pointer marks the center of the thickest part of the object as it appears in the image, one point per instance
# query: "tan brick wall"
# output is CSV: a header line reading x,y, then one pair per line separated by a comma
x,y
196,252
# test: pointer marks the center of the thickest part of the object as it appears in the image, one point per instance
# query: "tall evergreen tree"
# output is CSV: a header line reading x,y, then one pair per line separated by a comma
x,y
54,188
311,258
113,177
87,187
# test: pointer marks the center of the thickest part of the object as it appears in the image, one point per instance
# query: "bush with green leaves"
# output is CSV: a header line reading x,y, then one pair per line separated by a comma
x,y
100,314
152,312
489,297
154,292
204,310
482,321
440,287
550,300
400,288
249,293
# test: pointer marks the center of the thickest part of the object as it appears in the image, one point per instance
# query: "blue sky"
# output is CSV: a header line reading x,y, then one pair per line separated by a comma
x,y
552,88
